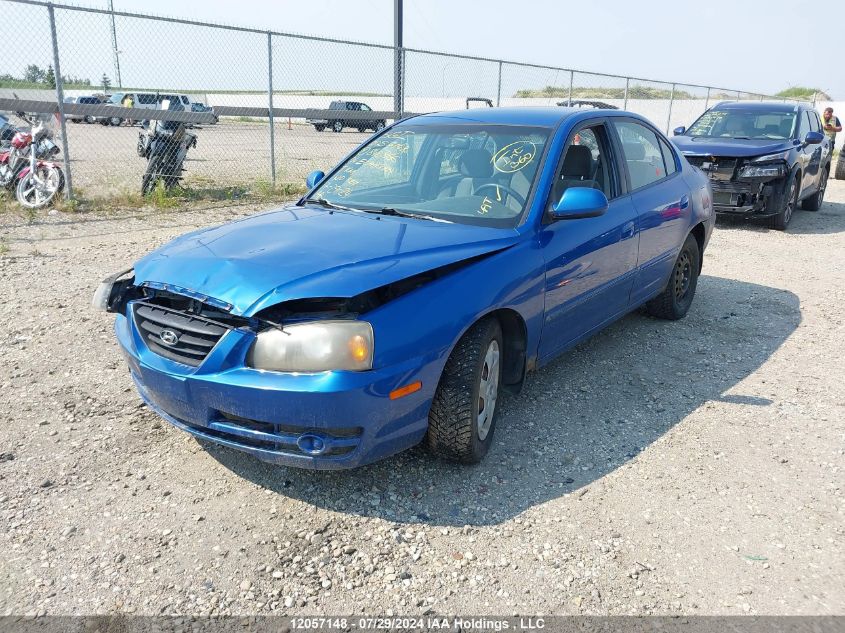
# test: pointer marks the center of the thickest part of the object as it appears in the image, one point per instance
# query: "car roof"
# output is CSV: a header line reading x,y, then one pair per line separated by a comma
x,y
533,115
756,106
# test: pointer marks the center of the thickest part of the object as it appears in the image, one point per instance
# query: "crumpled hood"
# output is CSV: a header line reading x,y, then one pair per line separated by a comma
x,y
300,252
733,147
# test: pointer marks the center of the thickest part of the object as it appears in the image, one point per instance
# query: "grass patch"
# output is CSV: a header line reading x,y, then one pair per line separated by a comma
x,y
4,248
804,93
634,92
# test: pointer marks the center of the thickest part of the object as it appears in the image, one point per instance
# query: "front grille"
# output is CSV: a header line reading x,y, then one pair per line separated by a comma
x,y
189,338
730,186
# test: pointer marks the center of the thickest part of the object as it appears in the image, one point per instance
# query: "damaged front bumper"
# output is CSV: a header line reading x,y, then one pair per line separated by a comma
x,y
743,187
326,420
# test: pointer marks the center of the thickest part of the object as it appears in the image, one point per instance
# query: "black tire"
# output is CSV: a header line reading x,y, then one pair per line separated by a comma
x,y
150,177
115,121
786,204
319,128
840,165
675,300
379,126
337,126
141,147
814,202
456,429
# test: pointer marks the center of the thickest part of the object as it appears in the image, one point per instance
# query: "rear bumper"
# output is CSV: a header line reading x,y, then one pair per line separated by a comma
x,y
283,418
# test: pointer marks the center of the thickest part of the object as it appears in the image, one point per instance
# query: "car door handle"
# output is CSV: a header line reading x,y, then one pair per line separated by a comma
x,y
628,230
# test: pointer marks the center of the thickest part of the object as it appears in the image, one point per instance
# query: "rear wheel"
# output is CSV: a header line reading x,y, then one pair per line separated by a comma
x,y
379,126
151,176
319,128
463,413
337,126
814,202
675,300
115,121
786,206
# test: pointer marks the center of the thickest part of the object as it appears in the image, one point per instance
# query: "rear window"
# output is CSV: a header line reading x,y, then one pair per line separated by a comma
x,y
337,105
88,100
146,99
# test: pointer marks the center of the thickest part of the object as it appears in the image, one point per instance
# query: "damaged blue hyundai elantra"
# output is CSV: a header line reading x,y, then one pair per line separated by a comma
x,y
413,285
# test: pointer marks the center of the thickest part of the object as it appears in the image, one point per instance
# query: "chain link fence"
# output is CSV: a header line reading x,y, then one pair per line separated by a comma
x,y
266,108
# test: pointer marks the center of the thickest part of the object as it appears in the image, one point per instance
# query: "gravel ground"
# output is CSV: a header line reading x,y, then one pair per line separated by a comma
x,y
674,468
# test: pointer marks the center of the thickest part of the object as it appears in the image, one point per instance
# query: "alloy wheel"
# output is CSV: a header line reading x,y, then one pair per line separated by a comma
x,y
488,390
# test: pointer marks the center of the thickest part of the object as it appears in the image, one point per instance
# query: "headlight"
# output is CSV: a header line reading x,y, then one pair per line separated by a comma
x,y
772,170
314,346
109,288
770,157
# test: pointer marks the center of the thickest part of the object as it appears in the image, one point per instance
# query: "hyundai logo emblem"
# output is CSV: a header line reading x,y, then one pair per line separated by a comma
x,y
311,444
168,337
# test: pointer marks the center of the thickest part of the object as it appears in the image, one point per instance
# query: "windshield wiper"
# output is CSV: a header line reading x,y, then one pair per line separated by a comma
x,y
329,205
406,214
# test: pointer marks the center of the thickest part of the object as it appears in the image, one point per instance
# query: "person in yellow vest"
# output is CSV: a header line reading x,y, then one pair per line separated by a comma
x,y
127,103
831,125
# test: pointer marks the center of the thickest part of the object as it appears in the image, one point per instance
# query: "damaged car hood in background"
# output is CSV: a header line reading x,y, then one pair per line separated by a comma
x,y
300,252
734,147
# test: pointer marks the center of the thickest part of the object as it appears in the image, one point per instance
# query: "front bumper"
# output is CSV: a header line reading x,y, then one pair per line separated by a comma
x,y
283,418
743,198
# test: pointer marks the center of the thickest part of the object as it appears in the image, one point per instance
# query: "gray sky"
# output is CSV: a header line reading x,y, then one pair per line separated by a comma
x,y
699,42
751,45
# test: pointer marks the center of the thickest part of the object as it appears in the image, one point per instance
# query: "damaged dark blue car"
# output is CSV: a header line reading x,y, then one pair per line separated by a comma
x,y
413,284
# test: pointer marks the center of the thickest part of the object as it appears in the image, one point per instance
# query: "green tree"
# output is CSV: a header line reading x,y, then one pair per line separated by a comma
x,y
106,83
34,74
50,77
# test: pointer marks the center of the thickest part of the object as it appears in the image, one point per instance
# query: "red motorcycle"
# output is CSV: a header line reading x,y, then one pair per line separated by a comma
x,y
36,181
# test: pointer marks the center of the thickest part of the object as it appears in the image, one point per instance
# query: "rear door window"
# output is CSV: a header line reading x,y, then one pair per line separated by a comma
x,y
146,99
642,152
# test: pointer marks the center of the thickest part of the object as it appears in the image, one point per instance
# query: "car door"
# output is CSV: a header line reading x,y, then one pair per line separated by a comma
x,y
805,154
661,199
814,162
589,261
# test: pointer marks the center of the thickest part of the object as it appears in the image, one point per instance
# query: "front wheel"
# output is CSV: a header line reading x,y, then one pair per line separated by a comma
x,y
40,189
675,300
319,128
379,126
151,175
463,413
814,202
115,121
337,127
786,206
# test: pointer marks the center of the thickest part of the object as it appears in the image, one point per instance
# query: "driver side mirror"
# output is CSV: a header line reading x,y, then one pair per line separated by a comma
x,y
813,138
314,178
679,130
580,202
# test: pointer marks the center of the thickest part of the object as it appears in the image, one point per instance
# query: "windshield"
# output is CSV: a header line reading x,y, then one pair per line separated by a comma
x,y
468,173
759,124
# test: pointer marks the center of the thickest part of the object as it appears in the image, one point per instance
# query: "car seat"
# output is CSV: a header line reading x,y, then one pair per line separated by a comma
x,y
577,171
476,167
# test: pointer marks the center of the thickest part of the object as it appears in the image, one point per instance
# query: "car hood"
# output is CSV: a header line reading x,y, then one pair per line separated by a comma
x,y
301,252
734,147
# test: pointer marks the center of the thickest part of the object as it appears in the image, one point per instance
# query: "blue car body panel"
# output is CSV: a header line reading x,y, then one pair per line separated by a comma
x,y
560,281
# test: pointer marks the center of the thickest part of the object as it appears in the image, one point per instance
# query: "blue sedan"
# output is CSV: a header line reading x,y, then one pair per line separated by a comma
x,y
422,277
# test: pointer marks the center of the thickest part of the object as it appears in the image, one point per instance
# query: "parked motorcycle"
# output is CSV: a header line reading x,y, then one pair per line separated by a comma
x,y
24,163
165,145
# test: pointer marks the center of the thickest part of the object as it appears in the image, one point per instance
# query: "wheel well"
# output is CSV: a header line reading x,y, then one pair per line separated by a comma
x,y
515,341
698,234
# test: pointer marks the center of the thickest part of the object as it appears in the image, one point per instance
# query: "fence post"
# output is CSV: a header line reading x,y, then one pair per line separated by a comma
x,y
60,97
571,80
707,100
270,108
627,84
499,90
671,101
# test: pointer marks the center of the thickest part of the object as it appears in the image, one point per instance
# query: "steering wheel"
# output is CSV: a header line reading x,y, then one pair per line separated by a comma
x,y
519,198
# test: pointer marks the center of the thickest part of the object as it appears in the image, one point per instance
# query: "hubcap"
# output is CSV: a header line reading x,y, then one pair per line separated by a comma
x,y
683,274
488,390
